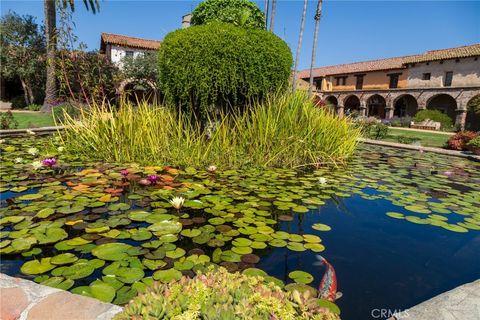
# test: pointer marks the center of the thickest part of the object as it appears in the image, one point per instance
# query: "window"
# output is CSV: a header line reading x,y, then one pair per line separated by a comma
x,y
426,76
394,80
129,54
341,81
448,79
359,84
318,83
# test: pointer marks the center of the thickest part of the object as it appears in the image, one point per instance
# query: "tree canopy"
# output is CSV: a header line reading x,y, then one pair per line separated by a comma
x,y
242,13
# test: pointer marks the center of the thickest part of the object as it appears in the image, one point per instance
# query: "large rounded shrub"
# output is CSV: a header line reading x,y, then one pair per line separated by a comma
x,y
221,65
434,115
240,12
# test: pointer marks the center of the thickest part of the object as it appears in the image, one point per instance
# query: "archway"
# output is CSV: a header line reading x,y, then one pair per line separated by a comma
x,y
331,103
351,104
376,105
443,103
472,122
405,106
136,92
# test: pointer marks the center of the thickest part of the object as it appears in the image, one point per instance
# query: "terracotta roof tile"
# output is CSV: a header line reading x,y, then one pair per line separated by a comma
x,y
393,63
109,38
443,54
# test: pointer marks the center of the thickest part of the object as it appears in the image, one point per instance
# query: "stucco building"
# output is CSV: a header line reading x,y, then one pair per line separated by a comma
x,y
446,80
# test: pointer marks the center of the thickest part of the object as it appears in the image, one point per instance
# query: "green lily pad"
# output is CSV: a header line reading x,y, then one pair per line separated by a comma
x,y
102,291
37,266
166,276
301,277
64,258
321,227
112,251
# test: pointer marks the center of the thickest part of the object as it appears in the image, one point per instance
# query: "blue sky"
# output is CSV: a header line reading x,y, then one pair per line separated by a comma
x,y
350,30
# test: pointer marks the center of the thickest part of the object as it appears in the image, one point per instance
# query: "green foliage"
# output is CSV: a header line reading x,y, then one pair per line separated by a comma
x,y
434,115
222,295
64,110
18,102
372,129
7,121
475,142
242,13
474,105
285,131
141,70
221,65
22,52
34,107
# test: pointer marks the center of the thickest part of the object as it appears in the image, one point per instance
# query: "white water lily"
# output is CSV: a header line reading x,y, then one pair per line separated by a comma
x,y
212,168
322,180
2,141
30,132
37,165
32,151
18,160
60,149
177,202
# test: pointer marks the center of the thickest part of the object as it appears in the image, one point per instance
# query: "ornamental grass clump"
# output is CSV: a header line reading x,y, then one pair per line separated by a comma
x,y
220,295
284,131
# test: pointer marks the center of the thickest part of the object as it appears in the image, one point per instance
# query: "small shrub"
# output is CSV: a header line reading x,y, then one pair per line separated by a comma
x,y
407,140
459,140
7,121
401,121
243,13
34,107
220,295
475,142
218,66
372,128
61,110
434,115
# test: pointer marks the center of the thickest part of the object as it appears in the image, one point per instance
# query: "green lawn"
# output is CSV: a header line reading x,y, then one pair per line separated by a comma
x,y
33,119
426,139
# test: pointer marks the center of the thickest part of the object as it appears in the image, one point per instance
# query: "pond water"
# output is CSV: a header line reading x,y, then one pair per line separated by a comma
x,y
399,227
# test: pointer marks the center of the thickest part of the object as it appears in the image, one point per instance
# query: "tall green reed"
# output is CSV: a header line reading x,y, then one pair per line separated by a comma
x,y
283,131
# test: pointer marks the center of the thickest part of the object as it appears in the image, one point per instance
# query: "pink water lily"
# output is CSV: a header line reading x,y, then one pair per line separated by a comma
x,y
153,179
50,162
124,172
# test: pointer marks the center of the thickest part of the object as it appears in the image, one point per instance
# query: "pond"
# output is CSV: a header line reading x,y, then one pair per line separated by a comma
x,y
399,227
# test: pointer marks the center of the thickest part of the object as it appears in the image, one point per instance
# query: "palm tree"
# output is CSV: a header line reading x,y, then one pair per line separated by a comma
x,y
318,13
272,14
51,39
267,4
299,46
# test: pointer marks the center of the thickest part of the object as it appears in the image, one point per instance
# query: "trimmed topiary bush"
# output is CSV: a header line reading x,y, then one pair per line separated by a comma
x,y
239,12
220,295
434,115
221,65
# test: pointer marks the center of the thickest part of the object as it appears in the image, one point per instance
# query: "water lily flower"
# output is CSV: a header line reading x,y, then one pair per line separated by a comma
x,y
18,160
30,132
60,149
2,141
124,172
36,165
212,169
153,179
32,151
50,162
177,202
144,182
322,180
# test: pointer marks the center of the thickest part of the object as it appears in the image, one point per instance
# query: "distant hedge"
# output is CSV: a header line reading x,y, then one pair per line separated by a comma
x,y
243,13
434,115
221,65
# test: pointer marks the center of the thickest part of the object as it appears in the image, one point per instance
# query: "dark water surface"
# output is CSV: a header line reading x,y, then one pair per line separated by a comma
x,y
430,244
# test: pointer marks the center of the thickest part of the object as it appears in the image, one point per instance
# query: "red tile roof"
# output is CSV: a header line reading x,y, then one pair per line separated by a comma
x,y
444,54
393,63
132,42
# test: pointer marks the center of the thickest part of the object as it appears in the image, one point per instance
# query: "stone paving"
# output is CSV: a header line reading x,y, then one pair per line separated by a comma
x,y
461,303
26,300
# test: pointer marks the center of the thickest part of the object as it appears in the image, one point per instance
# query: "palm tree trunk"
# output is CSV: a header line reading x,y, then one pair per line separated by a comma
x,y
272,14
51,38
299,46
267,4
318,13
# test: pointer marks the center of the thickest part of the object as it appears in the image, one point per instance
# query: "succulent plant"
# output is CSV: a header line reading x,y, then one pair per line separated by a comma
x,y
220,295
